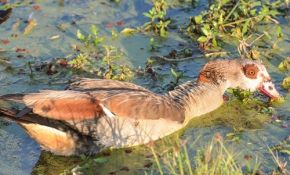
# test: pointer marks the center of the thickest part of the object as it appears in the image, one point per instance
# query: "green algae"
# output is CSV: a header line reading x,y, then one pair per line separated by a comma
x,y
50,164
124,161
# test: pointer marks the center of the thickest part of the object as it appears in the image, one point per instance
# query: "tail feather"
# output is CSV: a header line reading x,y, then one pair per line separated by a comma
x,y
28,118
54,135
11,114
13,97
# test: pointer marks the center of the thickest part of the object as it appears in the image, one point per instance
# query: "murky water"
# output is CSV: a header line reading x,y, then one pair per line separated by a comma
x,y
21,155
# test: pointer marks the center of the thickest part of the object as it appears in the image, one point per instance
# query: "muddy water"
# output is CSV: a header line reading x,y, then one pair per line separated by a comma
x,y
21,155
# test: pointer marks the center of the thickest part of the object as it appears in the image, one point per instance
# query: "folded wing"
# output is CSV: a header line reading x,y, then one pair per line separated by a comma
x,y
64,105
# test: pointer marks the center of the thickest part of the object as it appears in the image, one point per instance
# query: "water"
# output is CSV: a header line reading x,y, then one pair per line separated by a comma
x,y
21,155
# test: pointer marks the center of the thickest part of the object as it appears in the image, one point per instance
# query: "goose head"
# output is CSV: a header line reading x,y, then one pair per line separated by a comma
x,y
241,73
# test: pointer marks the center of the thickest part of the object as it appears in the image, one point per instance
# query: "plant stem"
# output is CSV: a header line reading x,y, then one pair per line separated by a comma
x,y
234,8
187,160
157,161
240,21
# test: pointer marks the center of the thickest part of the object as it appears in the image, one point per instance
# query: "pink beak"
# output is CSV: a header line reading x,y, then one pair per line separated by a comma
x,y
269,90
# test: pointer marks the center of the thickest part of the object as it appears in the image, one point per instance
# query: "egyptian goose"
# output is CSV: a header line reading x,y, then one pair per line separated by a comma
x,y
93,114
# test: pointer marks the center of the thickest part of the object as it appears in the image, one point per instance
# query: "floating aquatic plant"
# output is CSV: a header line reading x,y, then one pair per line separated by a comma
x,y
158,23
96,57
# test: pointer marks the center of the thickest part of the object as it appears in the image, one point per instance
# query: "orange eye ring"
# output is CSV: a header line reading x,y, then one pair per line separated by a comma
x,y
250,71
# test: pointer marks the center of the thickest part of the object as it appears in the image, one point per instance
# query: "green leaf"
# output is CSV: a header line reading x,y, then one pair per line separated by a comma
x,y
175,75
114,34
163,32
286,83
202,39
147,15
94,30
128,31
255,3
206,26
285,151
274,12
80,36
101,160
285,65
245,27
198,19
221,19
279,32
166,23
214,42
253,12
205,31
267,35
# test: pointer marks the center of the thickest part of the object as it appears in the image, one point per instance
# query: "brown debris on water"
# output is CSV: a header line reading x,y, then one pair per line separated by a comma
x,y
129,150
148,165
5,41
125,168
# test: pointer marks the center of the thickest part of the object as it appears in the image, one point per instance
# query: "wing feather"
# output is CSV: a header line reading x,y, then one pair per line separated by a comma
x,y
64,105
82,105
141,105
103,84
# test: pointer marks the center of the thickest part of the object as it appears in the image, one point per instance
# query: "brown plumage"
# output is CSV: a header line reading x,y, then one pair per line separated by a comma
x,y
93,114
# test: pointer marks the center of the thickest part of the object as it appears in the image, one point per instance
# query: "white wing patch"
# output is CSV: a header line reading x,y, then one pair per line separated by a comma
x,y
107,111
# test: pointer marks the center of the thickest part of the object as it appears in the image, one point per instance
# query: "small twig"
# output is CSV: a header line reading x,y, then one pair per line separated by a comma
x,y
256,39
240,21
234,8
173,60
216,53
273,20
188,58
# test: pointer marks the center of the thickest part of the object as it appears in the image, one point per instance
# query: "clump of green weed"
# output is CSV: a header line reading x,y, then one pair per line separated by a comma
x,y
157,15
158,23
250,98
97,58
52,164
93,38
238,19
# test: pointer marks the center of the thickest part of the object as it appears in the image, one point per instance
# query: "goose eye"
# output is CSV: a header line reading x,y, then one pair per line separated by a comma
x,y
250,71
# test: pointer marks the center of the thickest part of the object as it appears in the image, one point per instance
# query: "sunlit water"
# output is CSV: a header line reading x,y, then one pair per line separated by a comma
x,y
19,154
